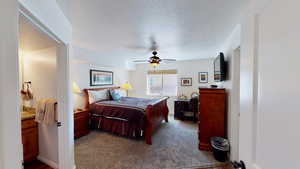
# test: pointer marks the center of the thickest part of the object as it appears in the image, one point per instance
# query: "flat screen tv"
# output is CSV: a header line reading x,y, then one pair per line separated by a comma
x,y
220,67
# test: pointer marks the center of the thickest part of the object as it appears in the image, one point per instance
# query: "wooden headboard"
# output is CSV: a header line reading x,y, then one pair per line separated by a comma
x,y
86,94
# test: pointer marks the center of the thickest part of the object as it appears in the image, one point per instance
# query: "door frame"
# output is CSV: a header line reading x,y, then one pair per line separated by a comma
x,y
235,106
249,84
65,112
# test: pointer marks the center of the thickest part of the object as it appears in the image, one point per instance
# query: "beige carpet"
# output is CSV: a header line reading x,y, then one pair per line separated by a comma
x,y
175,146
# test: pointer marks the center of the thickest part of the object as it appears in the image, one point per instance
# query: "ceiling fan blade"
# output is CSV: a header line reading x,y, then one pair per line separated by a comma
x,y
140,61
169,60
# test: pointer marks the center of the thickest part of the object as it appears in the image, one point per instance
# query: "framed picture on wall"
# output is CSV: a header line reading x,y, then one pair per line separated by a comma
x,y
187,81
203,77
101,78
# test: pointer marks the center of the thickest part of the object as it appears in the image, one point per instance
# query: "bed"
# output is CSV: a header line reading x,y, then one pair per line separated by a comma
x,y
129,116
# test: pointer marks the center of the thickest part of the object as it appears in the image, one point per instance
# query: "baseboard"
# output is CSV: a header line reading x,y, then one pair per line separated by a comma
x,y
48,162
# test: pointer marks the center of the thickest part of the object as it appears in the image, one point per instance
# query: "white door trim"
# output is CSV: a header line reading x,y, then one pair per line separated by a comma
x,y
249,52
66,132
65,136
235,106
38,24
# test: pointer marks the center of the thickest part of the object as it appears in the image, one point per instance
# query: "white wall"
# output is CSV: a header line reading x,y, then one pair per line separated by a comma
x,y
10,117
269,108
278,105
138,77
80,73
232,87
40,68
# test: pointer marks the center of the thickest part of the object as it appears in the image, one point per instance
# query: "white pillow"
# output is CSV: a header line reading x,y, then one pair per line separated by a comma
x,y
98,95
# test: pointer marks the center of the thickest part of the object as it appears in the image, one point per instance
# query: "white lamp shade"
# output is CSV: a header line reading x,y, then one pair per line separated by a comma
x,y
76,88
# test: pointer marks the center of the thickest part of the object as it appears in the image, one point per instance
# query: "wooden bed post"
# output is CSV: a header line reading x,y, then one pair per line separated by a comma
x,y
167,111
149,125
155,114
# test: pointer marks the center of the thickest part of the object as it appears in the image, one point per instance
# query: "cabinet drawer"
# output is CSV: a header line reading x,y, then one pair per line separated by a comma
x,y
28,124
81,124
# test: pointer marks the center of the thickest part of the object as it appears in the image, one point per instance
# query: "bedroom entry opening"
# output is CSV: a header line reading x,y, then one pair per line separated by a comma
x,y
38,81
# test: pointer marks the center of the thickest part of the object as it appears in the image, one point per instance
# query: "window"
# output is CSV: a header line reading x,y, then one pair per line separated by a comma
x,y
162,83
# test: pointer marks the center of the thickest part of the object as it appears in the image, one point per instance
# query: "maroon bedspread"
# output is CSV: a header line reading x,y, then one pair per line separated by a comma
x,y
128,108
128,117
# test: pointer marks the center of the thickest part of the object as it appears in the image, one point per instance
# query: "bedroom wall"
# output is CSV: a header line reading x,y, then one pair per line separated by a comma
x,y
80,72
185,69
232,86
40,68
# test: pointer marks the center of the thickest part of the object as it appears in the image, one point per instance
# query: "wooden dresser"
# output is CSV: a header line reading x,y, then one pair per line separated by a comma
x,y
212,115
81,123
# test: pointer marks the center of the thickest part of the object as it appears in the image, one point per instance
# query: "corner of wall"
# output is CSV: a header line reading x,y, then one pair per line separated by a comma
x,y
232,42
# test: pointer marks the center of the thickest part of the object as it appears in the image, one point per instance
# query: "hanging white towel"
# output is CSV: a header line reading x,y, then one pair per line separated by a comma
x,y
46,111
50,112
40,110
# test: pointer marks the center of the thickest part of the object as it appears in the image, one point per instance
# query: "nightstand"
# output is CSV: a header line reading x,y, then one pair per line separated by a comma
x,y
181,106
81,123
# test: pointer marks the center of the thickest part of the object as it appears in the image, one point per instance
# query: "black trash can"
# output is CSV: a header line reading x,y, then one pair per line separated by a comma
x,y
220,148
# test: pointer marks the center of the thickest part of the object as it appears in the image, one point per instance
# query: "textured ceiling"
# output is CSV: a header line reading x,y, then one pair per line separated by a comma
x,y
30,38
183,29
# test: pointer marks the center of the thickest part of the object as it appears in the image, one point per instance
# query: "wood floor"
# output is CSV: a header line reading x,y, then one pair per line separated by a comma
x,y
36,165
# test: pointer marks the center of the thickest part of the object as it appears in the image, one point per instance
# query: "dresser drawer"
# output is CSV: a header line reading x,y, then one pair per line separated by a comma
x,y
30,123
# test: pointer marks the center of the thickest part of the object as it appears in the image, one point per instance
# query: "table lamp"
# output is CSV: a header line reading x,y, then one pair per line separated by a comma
x,y
76,88
77,91
126,86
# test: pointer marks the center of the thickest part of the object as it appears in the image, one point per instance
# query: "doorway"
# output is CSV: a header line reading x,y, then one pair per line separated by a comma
x,y
60,29
38,79
44,73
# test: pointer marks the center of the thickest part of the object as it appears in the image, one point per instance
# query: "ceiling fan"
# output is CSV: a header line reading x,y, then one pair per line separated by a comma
x,y
155,60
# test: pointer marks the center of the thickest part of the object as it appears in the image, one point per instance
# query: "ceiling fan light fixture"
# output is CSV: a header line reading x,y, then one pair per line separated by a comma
x,y
154,63
154,60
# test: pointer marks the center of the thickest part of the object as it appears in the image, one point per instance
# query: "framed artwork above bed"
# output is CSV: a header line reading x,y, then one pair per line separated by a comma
x,y
101,78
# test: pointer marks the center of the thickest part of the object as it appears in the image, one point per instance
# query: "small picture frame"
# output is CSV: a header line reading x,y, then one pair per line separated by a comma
x,y
101,78
203,77
186,81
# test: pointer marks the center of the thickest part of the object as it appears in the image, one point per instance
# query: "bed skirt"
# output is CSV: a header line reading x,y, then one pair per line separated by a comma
x,y
117,126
